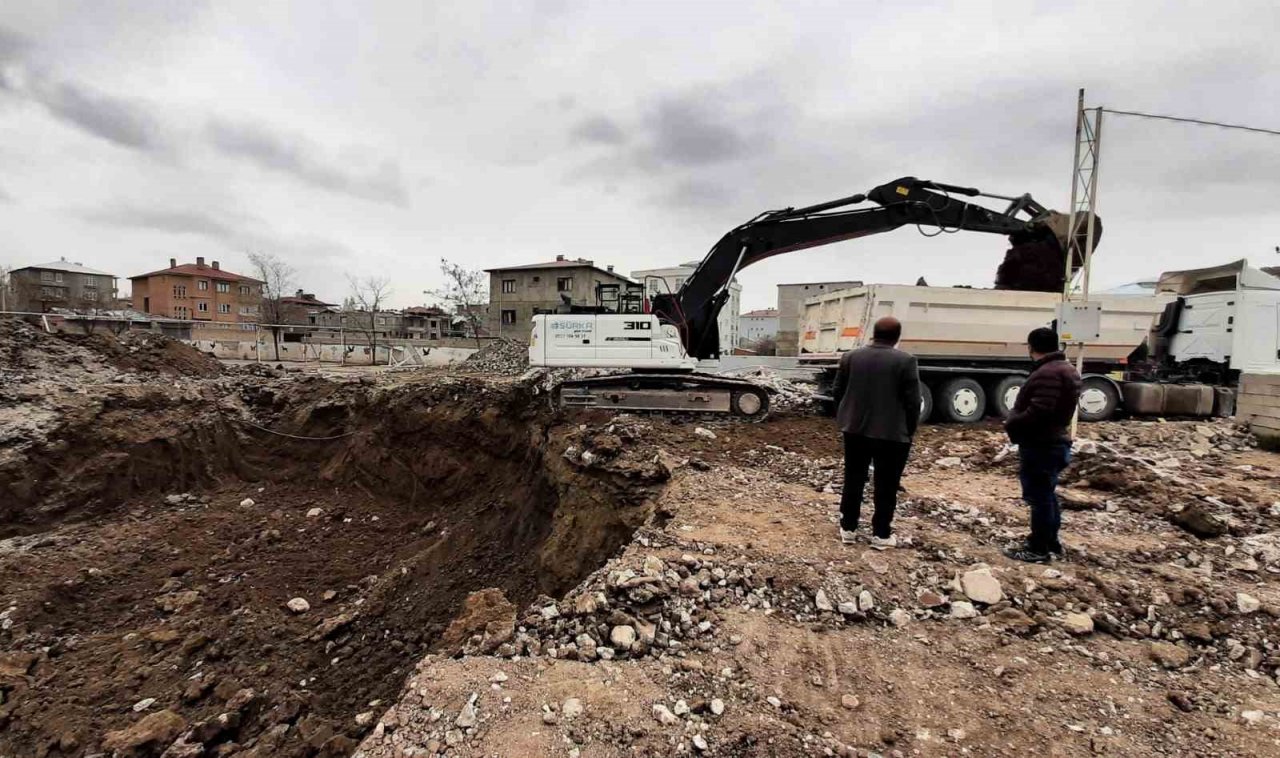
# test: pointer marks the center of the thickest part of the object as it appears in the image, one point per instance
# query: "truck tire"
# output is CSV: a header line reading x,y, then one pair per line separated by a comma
x,y
1005,393
926,403
961,400
1099,399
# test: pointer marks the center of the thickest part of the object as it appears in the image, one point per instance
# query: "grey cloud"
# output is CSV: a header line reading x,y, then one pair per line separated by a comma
x,y
171,222
697,195
294,156
5,197
13,46
599,130
124,122
689,131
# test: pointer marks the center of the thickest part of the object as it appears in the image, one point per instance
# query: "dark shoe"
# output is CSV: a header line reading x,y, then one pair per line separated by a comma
x,y
1027,555
1058,549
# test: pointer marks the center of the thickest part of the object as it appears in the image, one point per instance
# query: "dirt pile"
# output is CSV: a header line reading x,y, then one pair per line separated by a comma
x,y
269,578
501,357
28,352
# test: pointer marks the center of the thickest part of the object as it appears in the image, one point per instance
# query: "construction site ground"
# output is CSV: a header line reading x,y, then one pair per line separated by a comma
x,y
198,560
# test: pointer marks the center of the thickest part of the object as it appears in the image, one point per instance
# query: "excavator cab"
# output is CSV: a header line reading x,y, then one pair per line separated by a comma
x,y
619,298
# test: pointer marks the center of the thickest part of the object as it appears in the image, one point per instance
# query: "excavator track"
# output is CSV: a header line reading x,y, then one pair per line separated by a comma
x,y
672,393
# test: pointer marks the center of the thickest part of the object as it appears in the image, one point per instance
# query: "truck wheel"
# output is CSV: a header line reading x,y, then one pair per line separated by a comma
x,y
1005,393
962,400
1099,399
926,402
750,404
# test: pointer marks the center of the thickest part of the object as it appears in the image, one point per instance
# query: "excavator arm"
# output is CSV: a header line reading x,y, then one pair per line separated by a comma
x,y
1035,260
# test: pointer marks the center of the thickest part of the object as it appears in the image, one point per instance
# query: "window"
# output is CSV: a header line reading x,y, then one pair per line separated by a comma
x,y
563,284
202,307
46,276
508,317
57,277
89,295
203,285
90,282
508,286
382,321
224,307
244,290
224,286
180,290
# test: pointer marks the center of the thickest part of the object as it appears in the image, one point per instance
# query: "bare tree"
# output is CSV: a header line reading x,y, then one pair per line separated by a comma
x,y
465,290
368,294
6,294
277,281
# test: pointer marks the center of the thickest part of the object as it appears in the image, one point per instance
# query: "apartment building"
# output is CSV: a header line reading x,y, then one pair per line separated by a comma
x,y
518,292
60,284
199,292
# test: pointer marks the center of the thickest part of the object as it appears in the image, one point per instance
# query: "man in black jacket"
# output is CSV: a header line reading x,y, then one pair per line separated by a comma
x,y
878,389
1040,425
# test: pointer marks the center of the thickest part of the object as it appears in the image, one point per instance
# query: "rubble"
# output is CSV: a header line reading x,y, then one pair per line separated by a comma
x,y
501,356
784,394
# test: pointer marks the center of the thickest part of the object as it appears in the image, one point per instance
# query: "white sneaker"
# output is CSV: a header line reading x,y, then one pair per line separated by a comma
x,y
848,537
884,543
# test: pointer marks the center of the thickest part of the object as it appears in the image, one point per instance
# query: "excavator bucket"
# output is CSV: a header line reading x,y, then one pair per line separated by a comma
x,y
1036,259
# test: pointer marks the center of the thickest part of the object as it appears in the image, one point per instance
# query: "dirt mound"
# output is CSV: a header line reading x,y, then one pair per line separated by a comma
x,y
381,508
25,348
502,357
1032,267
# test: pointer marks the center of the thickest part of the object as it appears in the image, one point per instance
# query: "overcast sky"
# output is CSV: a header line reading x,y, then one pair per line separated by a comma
x,y
378,139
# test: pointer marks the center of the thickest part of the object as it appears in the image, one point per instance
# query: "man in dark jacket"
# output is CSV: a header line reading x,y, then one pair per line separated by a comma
x,y
1040,425
878,389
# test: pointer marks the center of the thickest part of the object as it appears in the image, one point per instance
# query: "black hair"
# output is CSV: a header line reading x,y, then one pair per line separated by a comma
x,y
1043,340
889,332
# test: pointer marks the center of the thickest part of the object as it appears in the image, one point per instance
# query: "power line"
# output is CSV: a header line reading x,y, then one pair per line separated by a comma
x,y
1201,122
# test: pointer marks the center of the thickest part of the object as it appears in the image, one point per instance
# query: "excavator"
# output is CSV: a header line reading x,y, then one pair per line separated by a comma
x,y
659,339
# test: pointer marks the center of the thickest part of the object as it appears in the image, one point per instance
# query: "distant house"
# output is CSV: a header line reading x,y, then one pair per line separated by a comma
x,y
758,327
425,322
196,292
517,292
60,284
298,307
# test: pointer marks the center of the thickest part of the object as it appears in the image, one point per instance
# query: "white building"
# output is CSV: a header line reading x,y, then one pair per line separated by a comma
x,y
664,280
758,326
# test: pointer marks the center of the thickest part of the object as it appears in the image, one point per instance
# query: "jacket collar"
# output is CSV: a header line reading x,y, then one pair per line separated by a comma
x,y
1057,355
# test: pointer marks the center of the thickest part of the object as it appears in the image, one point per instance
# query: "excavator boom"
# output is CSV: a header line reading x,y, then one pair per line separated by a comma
x,y
1035,260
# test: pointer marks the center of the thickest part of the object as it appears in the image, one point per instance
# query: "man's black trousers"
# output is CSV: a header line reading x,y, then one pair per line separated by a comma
x,y
890,458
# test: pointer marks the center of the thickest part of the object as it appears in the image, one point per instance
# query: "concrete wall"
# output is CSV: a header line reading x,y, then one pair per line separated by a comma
x,y
351,355
791,299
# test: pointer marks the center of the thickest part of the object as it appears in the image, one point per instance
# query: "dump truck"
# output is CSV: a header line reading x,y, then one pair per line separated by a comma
x,y
1178,352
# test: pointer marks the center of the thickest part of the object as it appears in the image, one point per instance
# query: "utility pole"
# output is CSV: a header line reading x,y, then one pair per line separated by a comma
x,y
1084,210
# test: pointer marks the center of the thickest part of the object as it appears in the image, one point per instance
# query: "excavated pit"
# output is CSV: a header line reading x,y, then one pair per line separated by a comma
x,y
152,544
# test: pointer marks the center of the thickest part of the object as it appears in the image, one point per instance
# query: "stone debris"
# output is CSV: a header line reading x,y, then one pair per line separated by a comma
x,y
785,395
704,432
501,356
298,605
1246,603
981,587
1078,623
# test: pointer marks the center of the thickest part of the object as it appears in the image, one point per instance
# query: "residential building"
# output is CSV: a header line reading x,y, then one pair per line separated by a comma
x,y
518,292
791,299
60,284
196,292
425,323
670,279
295,308
758,327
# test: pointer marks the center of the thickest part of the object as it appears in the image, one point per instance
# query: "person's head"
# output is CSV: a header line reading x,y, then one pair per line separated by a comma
x,y
1041,342
887,331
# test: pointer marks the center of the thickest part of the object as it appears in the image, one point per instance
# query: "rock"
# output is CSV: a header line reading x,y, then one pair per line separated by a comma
x,y
314,512
850,701
1078,623
663,715
823,602
899,617
329,595
143,704
247,503
717,706
571,708
453,738
1246,603
704,433
948,462
930,599
700,743
486,613
1198,631
498,677
1169,655
981,587
622,637
1195,518
364,719
148,736
681,708
466,717
1084,447
1252,717
774,701
866,601
1014,619
653,565
298,605
963,609
1181,701
847,608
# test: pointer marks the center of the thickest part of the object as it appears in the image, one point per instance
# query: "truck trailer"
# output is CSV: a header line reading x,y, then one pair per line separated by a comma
x,y
1177,352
